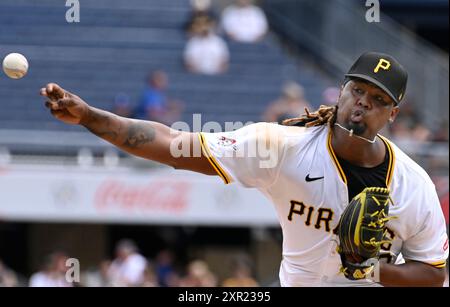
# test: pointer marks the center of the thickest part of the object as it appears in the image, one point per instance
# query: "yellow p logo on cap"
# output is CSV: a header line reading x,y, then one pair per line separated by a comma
x,y
383,64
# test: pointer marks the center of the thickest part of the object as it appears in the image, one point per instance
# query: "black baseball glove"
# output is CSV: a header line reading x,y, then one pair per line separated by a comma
x,y
361,231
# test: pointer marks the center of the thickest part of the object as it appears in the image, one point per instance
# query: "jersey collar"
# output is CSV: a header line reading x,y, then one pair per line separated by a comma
x,y
341,172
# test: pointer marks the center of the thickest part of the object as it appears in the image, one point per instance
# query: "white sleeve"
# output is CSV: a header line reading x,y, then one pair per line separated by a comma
x,y
135,269
430,243
188,53
224,52
251,155
262,20
37,280
227,19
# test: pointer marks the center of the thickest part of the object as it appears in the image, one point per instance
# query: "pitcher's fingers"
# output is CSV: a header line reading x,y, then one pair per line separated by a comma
x,y
43,92
66,102
49,88
55,89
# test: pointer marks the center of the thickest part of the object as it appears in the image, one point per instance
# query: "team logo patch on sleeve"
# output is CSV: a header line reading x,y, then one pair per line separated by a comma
x,y
224,141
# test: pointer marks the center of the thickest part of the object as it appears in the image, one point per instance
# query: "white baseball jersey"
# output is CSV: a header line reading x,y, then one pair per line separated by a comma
x,y
296,168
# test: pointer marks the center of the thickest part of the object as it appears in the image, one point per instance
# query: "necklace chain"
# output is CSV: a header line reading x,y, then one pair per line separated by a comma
x,y
360,137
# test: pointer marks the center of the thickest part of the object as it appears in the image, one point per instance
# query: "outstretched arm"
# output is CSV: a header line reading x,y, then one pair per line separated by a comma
x,y
411,274
149,140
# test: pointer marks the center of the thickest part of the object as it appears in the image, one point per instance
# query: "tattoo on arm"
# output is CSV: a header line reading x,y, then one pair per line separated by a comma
x,y
130,134
139,134
102,126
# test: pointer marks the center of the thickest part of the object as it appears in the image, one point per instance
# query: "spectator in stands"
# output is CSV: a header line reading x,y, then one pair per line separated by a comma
x,y
330,96
241,274
128,268
97,276
53,274
401,129
421,133
198,275
411,134
122,105
164,268
7,277
150,277
291,103
155,104
206,52
441,133
244,22
104,273
404,130
200,9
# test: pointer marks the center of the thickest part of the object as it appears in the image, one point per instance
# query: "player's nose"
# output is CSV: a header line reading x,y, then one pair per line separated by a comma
x,y
364,101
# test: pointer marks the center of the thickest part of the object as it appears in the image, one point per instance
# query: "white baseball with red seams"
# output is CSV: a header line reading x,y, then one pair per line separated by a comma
x,y
15,65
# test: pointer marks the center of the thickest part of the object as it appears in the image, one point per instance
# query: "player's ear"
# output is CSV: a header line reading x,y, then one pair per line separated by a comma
x,y
394,113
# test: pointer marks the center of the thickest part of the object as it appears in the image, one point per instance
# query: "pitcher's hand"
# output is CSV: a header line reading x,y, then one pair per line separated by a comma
x,y
63,105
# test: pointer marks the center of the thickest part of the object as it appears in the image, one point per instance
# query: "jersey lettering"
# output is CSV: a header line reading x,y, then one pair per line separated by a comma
x,y
324,215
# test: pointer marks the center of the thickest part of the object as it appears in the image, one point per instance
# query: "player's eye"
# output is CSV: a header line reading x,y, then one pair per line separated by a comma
x,y
358,90
380,100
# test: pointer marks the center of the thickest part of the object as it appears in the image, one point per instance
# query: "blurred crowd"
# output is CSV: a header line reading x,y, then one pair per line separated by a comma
x,y
129,268
207,53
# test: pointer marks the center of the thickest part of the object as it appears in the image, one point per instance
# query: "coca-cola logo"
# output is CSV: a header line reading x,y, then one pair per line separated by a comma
x,y
162,195
3,171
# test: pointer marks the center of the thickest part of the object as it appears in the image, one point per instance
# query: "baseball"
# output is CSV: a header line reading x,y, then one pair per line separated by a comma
x,y
15,65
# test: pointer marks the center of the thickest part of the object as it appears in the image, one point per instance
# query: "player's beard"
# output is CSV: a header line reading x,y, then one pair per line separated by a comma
x,y
358,128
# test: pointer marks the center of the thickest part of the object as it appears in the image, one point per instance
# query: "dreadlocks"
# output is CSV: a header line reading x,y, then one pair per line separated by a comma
x,y
324,115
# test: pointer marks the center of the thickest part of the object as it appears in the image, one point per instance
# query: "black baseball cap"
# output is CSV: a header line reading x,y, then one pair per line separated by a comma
x,y
382,70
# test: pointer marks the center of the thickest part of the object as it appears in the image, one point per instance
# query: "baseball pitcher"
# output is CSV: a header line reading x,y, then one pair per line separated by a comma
x,y
354,209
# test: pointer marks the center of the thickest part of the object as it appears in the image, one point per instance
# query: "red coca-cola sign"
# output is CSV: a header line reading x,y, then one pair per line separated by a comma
x,y
157,196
